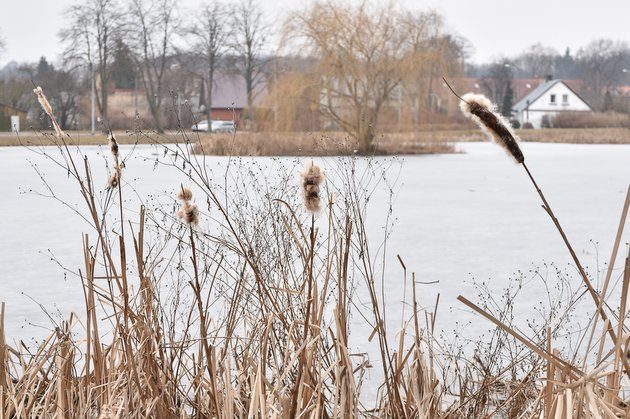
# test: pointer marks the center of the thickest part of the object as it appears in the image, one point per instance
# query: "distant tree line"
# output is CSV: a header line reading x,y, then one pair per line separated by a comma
x,y
600,66
336,65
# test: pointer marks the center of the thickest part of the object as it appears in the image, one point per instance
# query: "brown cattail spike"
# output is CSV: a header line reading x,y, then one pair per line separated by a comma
x,y
312,177
113,144
480,110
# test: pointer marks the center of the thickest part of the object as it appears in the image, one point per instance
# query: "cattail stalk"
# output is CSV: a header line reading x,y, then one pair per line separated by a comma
x,y
312,177
479,109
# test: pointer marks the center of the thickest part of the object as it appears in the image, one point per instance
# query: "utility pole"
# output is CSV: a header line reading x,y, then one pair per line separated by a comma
x,y
399,106
92,98
179,105
275,96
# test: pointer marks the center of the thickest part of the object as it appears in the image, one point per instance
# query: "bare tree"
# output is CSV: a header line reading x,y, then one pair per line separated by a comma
x,y
601,63
89,41
434,53
249,39
210,40
538,61
152,25
361,60
497,79
62,93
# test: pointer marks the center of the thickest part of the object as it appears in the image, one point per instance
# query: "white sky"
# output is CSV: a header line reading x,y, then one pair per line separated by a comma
x,y
494,27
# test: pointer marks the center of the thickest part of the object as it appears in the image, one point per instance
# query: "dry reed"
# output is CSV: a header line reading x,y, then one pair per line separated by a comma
x,y
255,322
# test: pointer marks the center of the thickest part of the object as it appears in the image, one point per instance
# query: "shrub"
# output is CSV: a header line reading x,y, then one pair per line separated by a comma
x,y
591,120
515,124
527,125
545,122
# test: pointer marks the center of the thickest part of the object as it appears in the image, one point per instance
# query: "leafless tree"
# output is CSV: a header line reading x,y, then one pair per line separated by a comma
x,y
537,61
250,35
63,93
152,25
497,78
434,53
210,37
361,60
602,62
89,38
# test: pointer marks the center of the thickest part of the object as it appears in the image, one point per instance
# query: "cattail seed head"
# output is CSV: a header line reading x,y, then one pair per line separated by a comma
x,y
479,109
312,177
184,194
41,98
189,213
114,179
113,144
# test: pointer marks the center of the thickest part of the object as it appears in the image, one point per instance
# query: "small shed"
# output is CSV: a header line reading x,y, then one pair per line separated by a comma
x,y
8,111
229,97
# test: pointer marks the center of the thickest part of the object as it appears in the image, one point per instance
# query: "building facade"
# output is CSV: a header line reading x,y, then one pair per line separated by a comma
x,y
7,124
547,100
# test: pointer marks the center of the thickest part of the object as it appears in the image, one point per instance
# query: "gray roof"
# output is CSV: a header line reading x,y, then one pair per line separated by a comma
x,y
229,91
535,94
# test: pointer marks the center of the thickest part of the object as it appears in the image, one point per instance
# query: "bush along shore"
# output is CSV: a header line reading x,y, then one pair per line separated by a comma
x,y
255,319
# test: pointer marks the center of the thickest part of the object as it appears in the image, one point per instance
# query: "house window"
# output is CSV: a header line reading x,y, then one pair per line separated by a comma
x,y
552,99
565,99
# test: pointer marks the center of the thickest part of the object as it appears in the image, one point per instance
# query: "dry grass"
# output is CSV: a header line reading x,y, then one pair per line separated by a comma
x,y
591,120
261,143
576,135
247,315
279,344
29,138
314,144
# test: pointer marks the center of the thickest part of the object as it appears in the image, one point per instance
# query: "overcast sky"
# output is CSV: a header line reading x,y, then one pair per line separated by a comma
x,y
493,27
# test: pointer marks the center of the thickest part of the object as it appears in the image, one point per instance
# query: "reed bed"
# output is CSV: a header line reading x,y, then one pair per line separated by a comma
x,y
327,143
235,301
315,144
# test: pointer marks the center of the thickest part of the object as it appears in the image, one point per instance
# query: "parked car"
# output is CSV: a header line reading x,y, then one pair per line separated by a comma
x,y
223,126
217,126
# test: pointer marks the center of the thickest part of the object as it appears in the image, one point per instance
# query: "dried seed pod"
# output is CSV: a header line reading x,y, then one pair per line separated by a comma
x,y
184,194
113,144
312,177
41,98
114,179
189,213
479,109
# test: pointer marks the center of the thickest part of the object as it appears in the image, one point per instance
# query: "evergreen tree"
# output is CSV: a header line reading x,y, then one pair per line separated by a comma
x,y
565,65
122,69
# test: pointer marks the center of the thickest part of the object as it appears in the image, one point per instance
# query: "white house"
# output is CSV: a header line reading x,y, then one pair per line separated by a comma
x,y
548,99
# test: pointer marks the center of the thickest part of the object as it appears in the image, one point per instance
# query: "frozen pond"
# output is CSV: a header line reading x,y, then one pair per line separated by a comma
x,y
458,216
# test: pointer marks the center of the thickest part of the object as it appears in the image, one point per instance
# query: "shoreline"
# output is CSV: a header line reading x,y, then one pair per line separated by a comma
x,y
328,143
